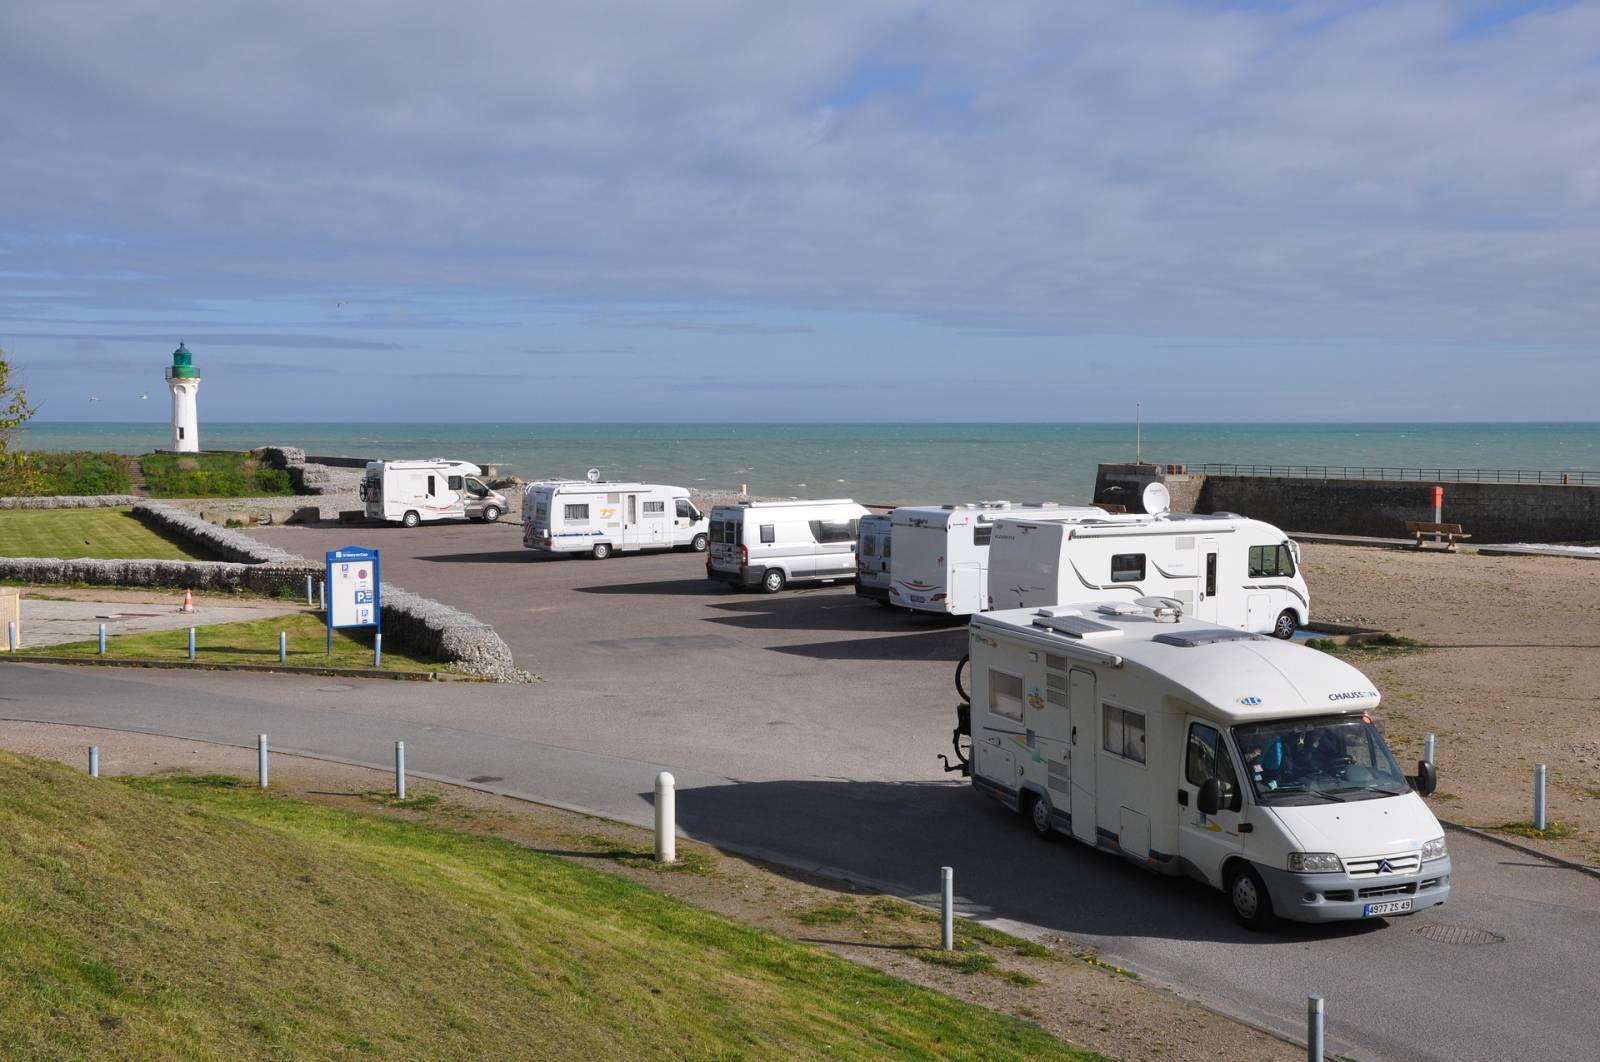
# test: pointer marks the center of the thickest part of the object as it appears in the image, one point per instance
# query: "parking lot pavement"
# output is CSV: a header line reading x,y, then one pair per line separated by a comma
x,y
59,622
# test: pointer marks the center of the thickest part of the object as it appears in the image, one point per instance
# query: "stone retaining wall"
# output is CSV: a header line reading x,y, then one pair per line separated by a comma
x,y
71,501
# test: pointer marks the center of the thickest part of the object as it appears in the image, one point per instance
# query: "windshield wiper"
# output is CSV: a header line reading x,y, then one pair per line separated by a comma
x,y
1367,789
1300,790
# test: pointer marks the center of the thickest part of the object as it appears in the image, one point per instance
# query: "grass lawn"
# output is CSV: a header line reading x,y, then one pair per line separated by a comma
x,y
188,916
255,642
219,475
105,534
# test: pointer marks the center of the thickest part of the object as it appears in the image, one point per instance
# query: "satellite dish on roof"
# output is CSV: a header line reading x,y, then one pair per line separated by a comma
x,y
1162,607
593,475
1155,498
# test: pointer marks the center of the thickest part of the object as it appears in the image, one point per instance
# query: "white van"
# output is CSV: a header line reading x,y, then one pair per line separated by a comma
x,y
589,516
873,557
773,544
409,492
941,552
1224,568
1248,763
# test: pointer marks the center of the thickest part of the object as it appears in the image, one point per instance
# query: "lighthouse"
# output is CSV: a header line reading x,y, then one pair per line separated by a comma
x,y
183,380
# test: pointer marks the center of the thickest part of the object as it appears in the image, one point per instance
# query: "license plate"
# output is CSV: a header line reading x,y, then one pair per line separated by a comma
x,y
918,599
1391,907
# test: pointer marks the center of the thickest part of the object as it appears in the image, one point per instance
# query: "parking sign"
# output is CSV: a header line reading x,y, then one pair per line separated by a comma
x,y
353,589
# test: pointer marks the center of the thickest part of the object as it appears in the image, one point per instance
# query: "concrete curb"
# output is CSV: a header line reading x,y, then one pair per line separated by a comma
x,y
200,665
1506,842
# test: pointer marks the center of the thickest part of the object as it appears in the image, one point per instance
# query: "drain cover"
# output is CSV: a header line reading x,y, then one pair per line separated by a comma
x,y
1445,933
486,778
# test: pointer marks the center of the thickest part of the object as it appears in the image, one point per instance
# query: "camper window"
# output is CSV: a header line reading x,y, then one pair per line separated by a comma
x,y
981,534
455,482
769,533
541,512
1124,733
869,546
1127,567
1207,757
656,508
1269,561
687,511
1005,694
577,512
430,487
833,530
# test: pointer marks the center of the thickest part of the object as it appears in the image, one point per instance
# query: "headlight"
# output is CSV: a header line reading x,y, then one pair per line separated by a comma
x,y
1434,849
1314,863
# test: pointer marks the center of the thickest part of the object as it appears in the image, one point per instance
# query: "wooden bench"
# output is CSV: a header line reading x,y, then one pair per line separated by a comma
x,y
1449,534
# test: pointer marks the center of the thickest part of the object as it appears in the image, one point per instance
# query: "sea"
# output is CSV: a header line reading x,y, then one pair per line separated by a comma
x,y
880,463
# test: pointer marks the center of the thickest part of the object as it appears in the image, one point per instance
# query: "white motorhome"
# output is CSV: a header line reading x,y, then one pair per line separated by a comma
x,y
941,552
1188,748
1224,568
409,492
772,544
873,557
598,518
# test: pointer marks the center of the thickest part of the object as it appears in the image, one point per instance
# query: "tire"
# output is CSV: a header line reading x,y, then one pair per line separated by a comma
x,y
411,519
491,514
601,550
1252,907
966,661
772,580
700,543
1285,625
1039,814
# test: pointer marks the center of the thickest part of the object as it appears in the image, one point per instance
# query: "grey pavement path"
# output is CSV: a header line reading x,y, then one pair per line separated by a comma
x,y
1392,992
59,622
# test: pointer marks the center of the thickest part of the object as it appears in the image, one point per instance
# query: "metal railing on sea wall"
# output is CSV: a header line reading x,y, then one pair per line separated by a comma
x,y
1418,475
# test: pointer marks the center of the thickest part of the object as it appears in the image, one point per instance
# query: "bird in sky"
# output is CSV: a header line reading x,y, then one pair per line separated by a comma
x,y
145,397
94,398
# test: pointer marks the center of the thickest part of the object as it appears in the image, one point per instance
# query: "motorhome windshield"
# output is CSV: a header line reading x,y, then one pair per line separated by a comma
x,y
1324,759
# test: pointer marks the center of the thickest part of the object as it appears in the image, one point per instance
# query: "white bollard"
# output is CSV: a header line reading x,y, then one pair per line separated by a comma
x,y
102,639
322,595
11,635
947,908
1538,797
399,770
310,598
377,650
1427,749
94,761
283,647
191,643
666,814
1314,1029
261,759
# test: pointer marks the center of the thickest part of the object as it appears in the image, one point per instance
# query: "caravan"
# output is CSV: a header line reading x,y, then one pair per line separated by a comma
x,y
409,492
941,552
589,516
772,544
1251,764
1224,568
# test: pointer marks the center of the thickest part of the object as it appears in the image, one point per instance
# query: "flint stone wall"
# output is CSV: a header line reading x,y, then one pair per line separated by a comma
x,y
71,501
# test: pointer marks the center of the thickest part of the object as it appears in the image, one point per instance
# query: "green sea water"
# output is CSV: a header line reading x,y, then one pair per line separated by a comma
x,y
880,462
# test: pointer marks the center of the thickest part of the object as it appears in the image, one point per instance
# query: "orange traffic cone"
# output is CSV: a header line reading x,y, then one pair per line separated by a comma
x,y
188,602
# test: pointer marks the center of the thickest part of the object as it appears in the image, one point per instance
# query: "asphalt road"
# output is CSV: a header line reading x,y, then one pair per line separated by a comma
x,y
804,727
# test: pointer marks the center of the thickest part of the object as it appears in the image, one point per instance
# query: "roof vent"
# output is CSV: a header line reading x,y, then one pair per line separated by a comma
x,y
1120,608
1072,624
1163,608
1191,639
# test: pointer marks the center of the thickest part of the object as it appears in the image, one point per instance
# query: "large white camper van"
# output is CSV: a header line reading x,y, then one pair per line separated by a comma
x,y
1248,763
772,544
941,552
598,518
409,492
1224,568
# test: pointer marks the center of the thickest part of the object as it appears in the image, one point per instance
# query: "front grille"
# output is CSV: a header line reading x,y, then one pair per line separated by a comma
x,y
1379,891
1372,866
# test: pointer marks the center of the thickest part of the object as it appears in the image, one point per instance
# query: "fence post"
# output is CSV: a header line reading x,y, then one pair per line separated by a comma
x,y
191,643
1427,749
1314,1029
399,770
283,647
310,600
94,761
1538,797
102,639
947,908
261,759
377,650
666,813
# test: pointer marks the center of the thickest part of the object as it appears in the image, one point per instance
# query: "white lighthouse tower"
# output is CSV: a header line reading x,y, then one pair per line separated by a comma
x,y
183,380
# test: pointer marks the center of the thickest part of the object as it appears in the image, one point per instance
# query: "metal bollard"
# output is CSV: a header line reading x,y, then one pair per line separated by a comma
x,y
1314,1029
310,600
261,759
11,635
947,908
377,650
102,639
283,647
191,643
399,770
1427,749
322,595
94,761
666,813
1538,797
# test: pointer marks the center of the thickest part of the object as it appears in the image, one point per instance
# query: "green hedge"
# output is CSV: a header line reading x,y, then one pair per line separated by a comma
x,y
81,472
220,475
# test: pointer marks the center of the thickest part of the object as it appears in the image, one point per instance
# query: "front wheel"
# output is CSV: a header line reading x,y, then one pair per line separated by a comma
x,y
1039,817
1252,907
601,551
1286,624
411,519
491,514
700,543
772,581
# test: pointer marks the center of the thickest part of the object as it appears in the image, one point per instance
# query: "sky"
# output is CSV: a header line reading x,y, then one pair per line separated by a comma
x,y
510,211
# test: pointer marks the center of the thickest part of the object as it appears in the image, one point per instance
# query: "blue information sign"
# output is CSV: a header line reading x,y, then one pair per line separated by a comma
x,y
354,590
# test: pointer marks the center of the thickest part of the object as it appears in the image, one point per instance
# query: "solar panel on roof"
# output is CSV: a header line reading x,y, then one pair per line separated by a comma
x,y
1190,639
1074,626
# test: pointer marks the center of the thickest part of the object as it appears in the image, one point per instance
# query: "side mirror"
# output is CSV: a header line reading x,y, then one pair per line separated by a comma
x,y
1427,779
1209,800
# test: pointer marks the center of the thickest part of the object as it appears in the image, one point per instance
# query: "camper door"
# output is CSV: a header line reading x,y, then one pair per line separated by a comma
x,y
1207,600
1207,841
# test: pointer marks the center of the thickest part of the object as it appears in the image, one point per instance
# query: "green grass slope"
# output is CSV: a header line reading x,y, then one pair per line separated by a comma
x,y
185,917
212,475
105,534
